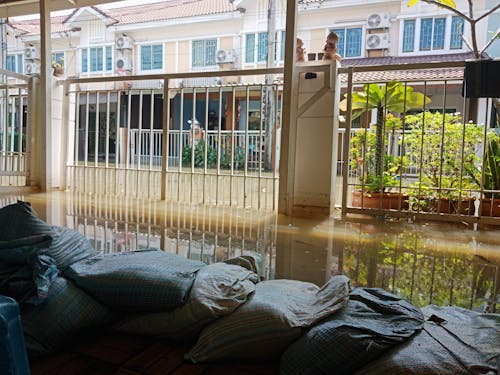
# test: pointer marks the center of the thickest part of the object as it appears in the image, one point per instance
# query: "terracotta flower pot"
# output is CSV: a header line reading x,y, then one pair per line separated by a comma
x,y
386,201
487,209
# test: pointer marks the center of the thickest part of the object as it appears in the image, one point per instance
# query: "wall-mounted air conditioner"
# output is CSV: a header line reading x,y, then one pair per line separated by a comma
x,y
377,41
123,63
124,42
31,53
225,56
32,68
378,20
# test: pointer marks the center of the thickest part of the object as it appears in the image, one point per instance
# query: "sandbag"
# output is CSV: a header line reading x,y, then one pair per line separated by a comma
x,y
453,341
148,280
272,318
66,312
372,322
68,246
218,290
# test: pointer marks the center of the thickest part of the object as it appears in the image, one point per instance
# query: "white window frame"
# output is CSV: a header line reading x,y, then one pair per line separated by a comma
x,y
90,72
163,63
416,43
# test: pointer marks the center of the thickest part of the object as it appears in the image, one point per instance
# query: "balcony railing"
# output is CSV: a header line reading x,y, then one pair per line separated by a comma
x,y
15,128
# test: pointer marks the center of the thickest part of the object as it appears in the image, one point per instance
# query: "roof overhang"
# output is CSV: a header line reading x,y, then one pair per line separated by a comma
x,y
12,8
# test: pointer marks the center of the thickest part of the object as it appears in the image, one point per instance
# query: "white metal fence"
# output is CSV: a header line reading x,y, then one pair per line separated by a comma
x,y
215,144
15,129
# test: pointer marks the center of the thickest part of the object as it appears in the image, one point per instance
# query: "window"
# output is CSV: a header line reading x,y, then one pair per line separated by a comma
x,y
457,29
408,35
204,52
14,63
250,48
58,58
152,57
97,59
256,45
432,33
349,44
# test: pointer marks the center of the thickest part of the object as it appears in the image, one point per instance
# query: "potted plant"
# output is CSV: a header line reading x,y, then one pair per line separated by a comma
x,y
443,150
379,171
480,78
490,203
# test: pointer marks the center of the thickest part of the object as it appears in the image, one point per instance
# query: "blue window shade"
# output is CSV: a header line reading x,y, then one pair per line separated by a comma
x,y
353,42
250,48
341,42
109,58
438,33
408,35
85,60
203,52
96,59
426,34
11,63
146,57
457,29
262,47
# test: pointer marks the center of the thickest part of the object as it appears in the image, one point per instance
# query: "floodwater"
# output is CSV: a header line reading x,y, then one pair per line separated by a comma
x,y
424,262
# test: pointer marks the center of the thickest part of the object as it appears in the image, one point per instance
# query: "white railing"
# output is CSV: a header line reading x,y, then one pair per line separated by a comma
x,y
15,129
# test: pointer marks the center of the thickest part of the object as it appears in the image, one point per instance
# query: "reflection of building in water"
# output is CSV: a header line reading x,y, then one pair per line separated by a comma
x,y
209,234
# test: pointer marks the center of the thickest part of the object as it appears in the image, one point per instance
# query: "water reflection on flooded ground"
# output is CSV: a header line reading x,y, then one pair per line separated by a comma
x,y
425,263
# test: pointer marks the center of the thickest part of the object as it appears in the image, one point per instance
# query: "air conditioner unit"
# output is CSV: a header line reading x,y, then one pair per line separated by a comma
x,y
124,42
225,56
123,63
32,68
377,41
378,20
31,53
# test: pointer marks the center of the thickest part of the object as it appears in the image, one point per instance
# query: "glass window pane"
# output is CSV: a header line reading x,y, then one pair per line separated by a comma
x,y
11,63
408,35
250,48
262,47
145,57
353,42
283,40
197,53
426,34
157,56
438,35
100,59
109,58
85,60
20,64
457,29
93,59
210,51
341,42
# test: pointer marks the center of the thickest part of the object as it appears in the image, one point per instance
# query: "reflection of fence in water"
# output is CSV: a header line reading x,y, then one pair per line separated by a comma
x,y
210,234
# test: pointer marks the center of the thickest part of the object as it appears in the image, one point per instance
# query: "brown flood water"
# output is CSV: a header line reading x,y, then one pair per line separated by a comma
x,y
424,262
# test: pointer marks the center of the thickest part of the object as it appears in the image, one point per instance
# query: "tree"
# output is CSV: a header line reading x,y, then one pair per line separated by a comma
x,y
469,18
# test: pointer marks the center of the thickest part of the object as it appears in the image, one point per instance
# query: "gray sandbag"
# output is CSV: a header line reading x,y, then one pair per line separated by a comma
x,y
26,269
218,290
19,220
148,280
453,341
66,312
372,322
272,318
